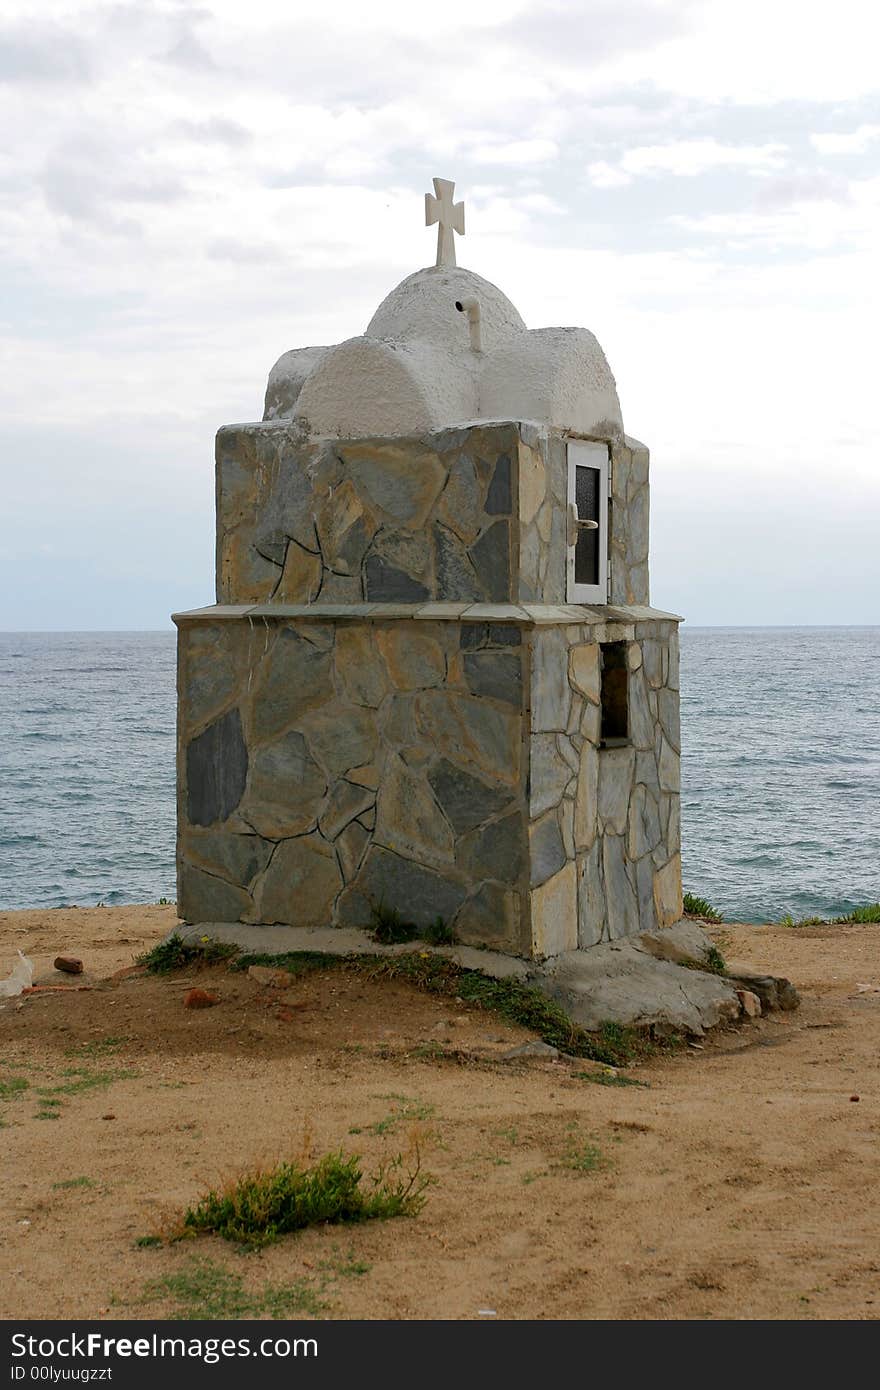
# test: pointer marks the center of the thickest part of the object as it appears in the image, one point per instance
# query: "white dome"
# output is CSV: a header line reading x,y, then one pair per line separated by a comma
x,y
423,306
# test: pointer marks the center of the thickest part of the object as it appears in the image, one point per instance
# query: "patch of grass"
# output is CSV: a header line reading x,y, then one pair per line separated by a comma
x,y
699,907
608,1078
100,1047
174,954
715,961
295,962
582,1157
71,1182
205,1291
81,1079
439,934
47,1115
13,1087
388,927
146,1242
868,914
529,1178
405,1110
346,1267
258,1207
865,915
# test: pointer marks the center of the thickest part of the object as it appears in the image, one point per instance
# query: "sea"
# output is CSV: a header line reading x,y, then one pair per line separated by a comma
x,y
780,769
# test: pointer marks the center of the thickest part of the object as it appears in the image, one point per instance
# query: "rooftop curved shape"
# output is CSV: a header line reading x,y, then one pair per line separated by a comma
x,y
446,346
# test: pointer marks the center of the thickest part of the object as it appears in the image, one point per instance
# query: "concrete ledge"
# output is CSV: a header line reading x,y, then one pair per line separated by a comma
x,y
526,614
344,941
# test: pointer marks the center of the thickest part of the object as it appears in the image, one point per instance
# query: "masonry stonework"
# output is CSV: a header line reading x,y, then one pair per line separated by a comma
x,y
393,703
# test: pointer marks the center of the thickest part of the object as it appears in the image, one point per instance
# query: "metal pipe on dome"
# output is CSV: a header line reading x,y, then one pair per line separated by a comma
x,y
471,307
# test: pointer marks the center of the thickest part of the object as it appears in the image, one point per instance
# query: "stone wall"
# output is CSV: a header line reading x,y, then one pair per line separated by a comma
x,y
445,765
386,521
469,515
328,766
604,829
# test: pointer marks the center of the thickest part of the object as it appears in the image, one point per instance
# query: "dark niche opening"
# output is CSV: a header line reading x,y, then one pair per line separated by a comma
x,y
614,693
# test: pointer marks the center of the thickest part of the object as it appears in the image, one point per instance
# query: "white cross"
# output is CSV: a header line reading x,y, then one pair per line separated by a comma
x,y
450,216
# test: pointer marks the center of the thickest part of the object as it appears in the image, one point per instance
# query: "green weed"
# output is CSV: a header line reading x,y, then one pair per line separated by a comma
x,y
865,915
387,926
699,907
438,933
868,914
71,1182
258,1207
174,954
715,961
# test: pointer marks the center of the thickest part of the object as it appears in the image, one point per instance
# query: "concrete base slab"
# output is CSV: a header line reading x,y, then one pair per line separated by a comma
x,y
344,941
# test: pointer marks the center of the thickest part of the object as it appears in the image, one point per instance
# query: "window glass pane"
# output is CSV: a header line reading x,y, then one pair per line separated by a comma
x,y
586,484
586,553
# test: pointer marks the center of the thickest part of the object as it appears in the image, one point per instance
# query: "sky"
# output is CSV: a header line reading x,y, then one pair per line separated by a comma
x,y
187,190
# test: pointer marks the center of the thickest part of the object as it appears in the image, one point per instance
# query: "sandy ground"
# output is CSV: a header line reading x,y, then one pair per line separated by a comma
x,y
739,1181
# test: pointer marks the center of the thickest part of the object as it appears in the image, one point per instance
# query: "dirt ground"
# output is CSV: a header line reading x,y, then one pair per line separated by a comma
x,y
740,1180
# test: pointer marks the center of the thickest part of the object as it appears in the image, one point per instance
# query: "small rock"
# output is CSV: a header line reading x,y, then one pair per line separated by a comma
x,y
441,1029
71,965
531,1049
108,1116
749,1002
854,1097
269,975
199,999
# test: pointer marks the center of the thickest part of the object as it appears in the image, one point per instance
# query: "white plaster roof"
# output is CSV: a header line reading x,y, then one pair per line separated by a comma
x,y
416,368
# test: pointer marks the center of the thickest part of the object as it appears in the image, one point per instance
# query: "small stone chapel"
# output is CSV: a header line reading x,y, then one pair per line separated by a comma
x,y
432,679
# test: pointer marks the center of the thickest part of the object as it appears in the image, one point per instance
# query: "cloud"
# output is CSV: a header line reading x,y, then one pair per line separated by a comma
x,y
90,179
515,152
189,53
792,190
243,252
846,142
216,130
579,35
689,158
32,52
604,175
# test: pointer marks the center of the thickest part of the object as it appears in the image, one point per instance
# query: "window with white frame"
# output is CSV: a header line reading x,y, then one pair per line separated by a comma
x,y
587,569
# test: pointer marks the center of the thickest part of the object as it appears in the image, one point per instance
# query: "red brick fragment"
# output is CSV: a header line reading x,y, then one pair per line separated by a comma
x,y
199,999
71,965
